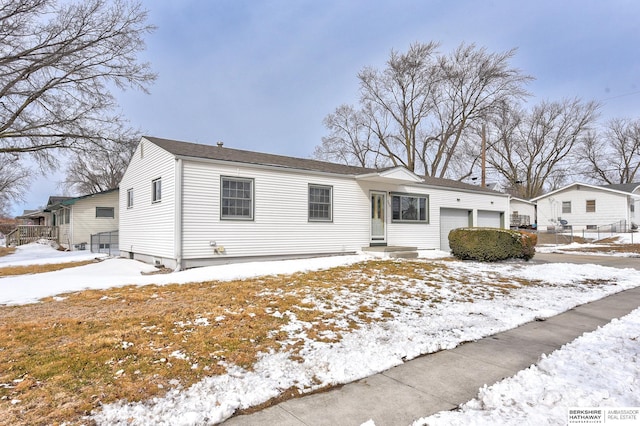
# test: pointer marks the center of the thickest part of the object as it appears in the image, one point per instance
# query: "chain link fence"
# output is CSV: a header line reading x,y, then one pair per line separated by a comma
x,y
105,242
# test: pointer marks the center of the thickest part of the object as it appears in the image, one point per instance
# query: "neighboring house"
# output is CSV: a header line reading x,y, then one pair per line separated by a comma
x,y
77,218
185,205
522,213
586,207
33,217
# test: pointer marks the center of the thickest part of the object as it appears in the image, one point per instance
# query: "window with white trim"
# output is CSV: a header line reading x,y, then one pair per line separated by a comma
x,y
236,198
409,208
566,207
156,190
320,203
129,198
591,206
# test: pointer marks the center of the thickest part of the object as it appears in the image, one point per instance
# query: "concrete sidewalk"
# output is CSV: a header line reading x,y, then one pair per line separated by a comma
x,y
443,380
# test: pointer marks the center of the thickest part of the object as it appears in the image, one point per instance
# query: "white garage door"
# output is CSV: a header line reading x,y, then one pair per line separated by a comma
x,y
451,219
489,219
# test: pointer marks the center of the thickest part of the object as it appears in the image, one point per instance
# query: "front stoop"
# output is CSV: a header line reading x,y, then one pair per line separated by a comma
x,y
392,251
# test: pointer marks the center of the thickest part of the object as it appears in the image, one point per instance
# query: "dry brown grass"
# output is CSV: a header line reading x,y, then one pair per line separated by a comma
x,y
62,359
6,250
37,269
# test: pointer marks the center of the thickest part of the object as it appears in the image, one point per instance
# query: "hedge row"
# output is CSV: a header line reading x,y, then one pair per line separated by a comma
x,y
491,244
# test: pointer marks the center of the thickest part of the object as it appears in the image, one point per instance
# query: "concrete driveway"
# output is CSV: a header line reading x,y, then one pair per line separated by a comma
x,y
613,261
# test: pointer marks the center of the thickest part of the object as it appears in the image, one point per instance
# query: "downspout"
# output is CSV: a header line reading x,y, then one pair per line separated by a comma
x,y
178,216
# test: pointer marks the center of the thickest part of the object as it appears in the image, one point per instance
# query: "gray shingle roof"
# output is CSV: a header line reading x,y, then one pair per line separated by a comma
x,y
187,149
624,187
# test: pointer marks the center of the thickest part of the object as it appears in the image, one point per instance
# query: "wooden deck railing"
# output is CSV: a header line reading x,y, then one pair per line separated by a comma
x,y
25,234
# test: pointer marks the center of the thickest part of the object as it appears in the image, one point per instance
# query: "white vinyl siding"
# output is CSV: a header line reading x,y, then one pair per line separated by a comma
x,y
84,221
148,228
610,207
427,235
281,223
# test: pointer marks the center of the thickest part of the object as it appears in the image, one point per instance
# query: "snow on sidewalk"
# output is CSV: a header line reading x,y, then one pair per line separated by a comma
x,y
598,369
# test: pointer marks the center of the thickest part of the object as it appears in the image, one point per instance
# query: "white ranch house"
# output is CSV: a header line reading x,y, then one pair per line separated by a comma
x,y
184,205
585,207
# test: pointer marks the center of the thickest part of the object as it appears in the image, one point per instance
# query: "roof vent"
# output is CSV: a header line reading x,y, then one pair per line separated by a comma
x,y
220,143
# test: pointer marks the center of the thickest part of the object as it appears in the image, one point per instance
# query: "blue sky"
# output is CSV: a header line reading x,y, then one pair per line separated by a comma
x,y
262,75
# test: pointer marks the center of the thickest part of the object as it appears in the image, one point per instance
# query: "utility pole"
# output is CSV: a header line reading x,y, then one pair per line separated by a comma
x,y
483,179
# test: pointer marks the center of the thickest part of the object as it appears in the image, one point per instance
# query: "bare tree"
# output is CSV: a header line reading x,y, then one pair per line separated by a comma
x,y
350,140
533,150
398,100
418,110
100,167
59,63
13,182
474,85
613,155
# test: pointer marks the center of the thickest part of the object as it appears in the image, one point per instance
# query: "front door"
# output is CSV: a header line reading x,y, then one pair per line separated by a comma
x,y
378,210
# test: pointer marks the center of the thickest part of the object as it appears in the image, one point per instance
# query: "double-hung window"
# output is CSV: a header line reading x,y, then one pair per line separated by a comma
x,y
566,207
156,190
129,198
320,203
409,208
591,206
236,198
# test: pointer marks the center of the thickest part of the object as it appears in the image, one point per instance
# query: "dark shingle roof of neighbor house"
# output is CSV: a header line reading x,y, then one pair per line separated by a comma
x,y
188,149
624,187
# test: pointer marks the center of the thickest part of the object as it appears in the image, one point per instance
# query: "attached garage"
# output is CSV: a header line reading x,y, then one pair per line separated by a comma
x,y
490,219
452,219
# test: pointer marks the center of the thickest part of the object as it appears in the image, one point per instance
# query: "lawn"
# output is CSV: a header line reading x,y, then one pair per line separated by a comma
x,y
88,351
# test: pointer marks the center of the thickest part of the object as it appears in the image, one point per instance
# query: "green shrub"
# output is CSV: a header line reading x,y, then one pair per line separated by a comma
x,y
491,244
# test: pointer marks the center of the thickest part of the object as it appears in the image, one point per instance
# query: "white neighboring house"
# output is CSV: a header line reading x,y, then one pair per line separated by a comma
x,y
522,213
78,218
184,205
586,207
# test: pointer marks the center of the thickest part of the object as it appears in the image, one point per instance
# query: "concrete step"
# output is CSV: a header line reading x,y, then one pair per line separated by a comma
x,y
402,254
388,249
392,251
